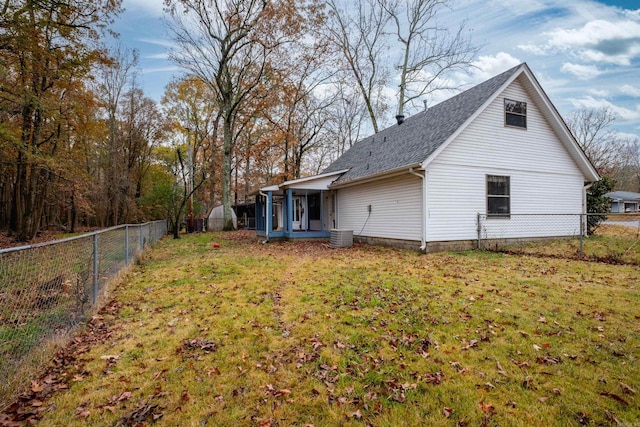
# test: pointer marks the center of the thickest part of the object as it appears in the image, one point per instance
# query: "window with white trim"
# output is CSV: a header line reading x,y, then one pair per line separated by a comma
x,y
498,196
515,113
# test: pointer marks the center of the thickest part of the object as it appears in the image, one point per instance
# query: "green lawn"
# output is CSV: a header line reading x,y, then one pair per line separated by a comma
x,y
618,244
301,334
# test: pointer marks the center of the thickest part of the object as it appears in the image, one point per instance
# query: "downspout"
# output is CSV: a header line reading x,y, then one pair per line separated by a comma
x,y
423,238
584,197
266,216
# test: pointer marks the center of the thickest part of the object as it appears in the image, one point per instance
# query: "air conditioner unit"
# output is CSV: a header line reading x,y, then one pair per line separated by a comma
x,y
341,238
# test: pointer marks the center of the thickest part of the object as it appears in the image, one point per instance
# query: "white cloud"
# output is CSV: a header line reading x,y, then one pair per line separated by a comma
x,y
155,7
534,49
616,42
168,69
489,66
599,92
628,136
590,102
520,7
630,90
582,72
157,56
158,42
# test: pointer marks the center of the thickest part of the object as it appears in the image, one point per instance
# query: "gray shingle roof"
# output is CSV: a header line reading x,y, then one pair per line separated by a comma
x,y
623,195
418,137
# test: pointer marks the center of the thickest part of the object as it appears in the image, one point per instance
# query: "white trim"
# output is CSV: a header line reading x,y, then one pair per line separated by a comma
x,y
375,177
312,178
286,184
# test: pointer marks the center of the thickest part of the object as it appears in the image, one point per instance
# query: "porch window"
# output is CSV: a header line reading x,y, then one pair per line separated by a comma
x,y
515,113
498,196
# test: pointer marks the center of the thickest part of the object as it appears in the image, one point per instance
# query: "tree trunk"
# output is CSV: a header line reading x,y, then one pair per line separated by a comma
x,y
226,172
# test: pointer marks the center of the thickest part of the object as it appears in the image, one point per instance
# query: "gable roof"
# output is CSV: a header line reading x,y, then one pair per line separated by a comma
x,y
425,134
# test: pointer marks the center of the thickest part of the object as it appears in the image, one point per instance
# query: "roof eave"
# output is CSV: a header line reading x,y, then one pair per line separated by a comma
x,y
375,177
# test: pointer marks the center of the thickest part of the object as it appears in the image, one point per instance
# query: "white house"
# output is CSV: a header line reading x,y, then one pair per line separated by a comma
x,y
497,150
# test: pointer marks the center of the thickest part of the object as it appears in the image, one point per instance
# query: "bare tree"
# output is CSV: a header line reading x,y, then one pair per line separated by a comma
x,y
114,80
627,174
358,35
429,50
602,144
216,42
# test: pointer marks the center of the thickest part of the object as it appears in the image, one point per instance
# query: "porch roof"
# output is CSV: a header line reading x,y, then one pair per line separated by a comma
x,y
316,182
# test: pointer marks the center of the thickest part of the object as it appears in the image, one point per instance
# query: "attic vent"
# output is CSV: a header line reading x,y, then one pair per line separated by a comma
x,y
341,238
400,118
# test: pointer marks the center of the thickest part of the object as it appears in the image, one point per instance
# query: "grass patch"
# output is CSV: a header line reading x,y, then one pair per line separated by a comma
x,y
296,333
618,244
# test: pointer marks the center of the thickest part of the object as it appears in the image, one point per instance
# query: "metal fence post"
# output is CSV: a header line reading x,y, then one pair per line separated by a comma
x,y
95,268
581,235
479,232
126,245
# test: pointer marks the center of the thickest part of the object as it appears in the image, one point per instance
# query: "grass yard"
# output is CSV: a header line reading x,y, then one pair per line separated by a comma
x,y
617,244
300,334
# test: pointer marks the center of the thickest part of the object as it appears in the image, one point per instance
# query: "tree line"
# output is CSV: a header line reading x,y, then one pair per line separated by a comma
x,y
271,90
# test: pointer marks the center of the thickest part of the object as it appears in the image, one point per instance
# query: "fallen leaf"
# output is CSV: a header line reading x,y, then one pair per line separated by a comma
x,y
527,383
501,370
543,399
125,395
615,397
537,347
447,412
35,387
627,389
356,415
110,357
542,319
486,408
283,392
612,417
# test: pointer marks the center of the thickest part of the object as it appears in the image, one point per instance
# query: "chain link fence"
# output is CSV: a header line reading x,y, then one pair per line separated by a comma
x,y
604,237
48,289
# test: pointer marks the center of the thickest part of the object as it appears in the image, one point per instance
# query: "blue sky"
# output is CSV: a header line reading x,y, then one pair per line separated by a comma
x,y
584,53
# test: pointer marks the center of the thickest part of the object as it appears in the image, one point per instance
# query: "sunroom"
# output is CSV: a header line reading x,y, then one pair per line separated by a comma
x,y
301,208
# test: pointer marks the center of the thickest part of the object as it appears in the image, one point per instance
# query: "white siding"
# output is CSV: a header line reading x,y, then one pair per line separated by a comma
x,y
395,208
544,178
